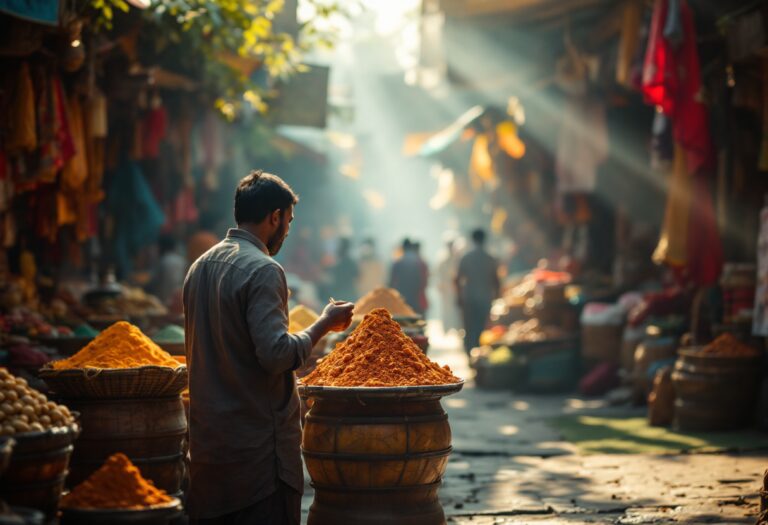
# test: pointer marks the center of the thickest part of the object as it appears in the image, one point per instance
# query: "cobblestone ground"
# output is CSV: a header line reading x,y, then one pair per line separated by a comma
x,y
510,467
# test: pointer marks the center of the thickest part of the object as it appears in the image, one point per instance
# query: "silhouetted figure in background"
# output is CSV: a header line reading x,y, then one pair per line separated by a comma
x,y
477,285
168,277
447,269
344,273
409,276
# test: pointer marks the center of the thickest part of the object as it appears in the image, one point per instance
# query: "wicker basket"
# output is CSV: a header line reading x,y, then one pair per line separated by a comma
x,y
116,383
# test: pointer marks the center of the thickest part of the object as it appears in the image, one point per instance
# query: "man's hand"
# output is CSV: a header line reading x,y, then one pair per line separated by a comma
x,y
337,316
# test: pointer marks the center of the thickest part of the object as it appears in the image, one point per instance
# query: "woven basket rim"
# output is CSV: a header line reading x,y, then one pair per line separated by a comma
x,y
50,371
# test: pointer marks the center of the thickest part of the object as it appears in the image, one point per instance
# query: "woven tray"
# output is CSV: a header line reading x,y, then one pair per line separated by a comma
x,y
114,383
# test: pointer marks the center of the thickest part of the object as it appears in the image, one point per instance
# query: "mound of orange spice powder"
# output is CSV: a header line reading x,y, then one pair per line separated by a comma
x,y
378,353
122,345
117,484
727,345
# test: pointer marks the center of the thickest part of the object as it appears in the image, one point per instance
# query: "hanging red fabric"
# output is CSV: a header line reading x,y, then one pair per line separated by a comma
x,y
672,83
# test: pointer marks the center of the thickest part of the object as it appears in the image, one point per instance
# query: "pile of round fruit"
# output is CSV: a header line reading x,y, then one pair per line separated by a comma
x,y
24,409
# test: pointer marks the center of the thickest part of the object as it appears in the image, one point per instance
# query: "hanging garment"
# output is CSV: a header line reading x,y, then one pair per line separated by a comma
x,y
22,132
97,115
56,146
672,248
671,81
95,124
75,170
154,129
629,40
582,145
137,215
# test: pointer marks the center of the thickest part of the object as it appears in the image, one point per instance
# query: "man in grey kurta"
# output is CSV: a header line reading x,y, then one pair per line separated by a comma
x,y
477,285
244,411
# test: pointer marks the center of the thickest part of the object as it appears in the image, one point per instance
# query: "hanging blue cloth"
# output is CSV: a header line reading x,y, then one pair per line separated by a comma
x,y
137,215
38,11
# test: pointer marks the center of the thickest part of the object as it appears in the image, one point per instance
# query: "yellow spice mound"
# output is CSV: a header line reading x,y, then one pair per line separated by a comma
x,y
387,298
117,484
122,345
300,318
378,353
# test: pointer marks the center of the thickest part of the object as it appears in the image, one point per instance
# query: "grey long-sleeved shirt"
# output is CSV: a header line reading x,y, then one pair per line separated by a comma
x,y
244,410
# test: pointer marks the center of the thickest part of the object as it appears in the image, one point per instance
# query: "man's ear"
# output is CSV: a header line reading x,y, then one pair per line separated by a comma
x,y
274,218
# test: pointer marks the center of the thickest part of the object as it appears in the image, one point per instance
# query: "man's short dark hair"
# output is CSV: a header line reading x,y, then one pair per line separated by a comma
x,y
478,236
260,194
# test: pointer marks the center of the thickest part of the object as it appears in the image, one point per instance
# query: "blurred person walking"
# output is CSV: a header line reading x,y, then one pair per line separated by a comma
x,y
372,271
344,273
168,277
447,269
409,276
244,429
477,285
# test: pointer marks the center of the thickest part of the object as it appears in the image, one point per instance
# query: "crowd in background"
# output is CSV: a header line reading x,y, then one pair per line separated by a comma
x,y
464,276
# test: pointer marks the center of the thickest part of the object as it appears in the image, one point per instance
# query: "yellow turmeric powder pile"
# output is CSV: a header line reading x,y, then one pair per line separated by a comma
x,y
122,345
387,298
300,318
378,353
118,484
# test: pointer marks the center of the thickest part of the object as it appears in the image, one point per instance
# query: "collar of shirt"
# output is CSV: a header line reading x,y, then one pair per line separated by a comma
x,y
248,236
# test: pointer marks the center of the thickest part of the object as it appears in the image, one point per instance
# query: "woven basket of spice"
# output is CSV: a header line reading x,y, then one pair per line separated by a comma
x,y
121,362
118,493
109,383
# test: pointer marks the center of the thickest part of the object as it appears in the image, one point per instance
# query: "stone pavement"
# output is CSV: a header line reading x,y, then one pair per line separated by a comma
x,y
510,467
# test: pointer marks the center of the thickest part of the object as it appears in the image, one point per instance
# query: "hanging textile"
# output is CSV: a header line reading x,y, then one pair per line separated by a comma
x,y
137,215
95,122
22,135
76,168
154,129
56,146
629,39
673,244
672,83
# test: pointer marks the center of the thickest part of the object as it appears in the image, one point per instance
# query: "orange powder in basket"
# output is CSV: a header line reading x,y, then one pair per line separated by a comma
x,y
727,345
118,484
122,345
378,353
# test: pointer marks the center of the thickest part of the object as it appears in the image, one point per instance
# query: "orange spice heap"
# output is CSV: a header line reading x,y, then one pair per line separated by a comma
x,y
118,484
378,353
122,345
383,298
728,346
